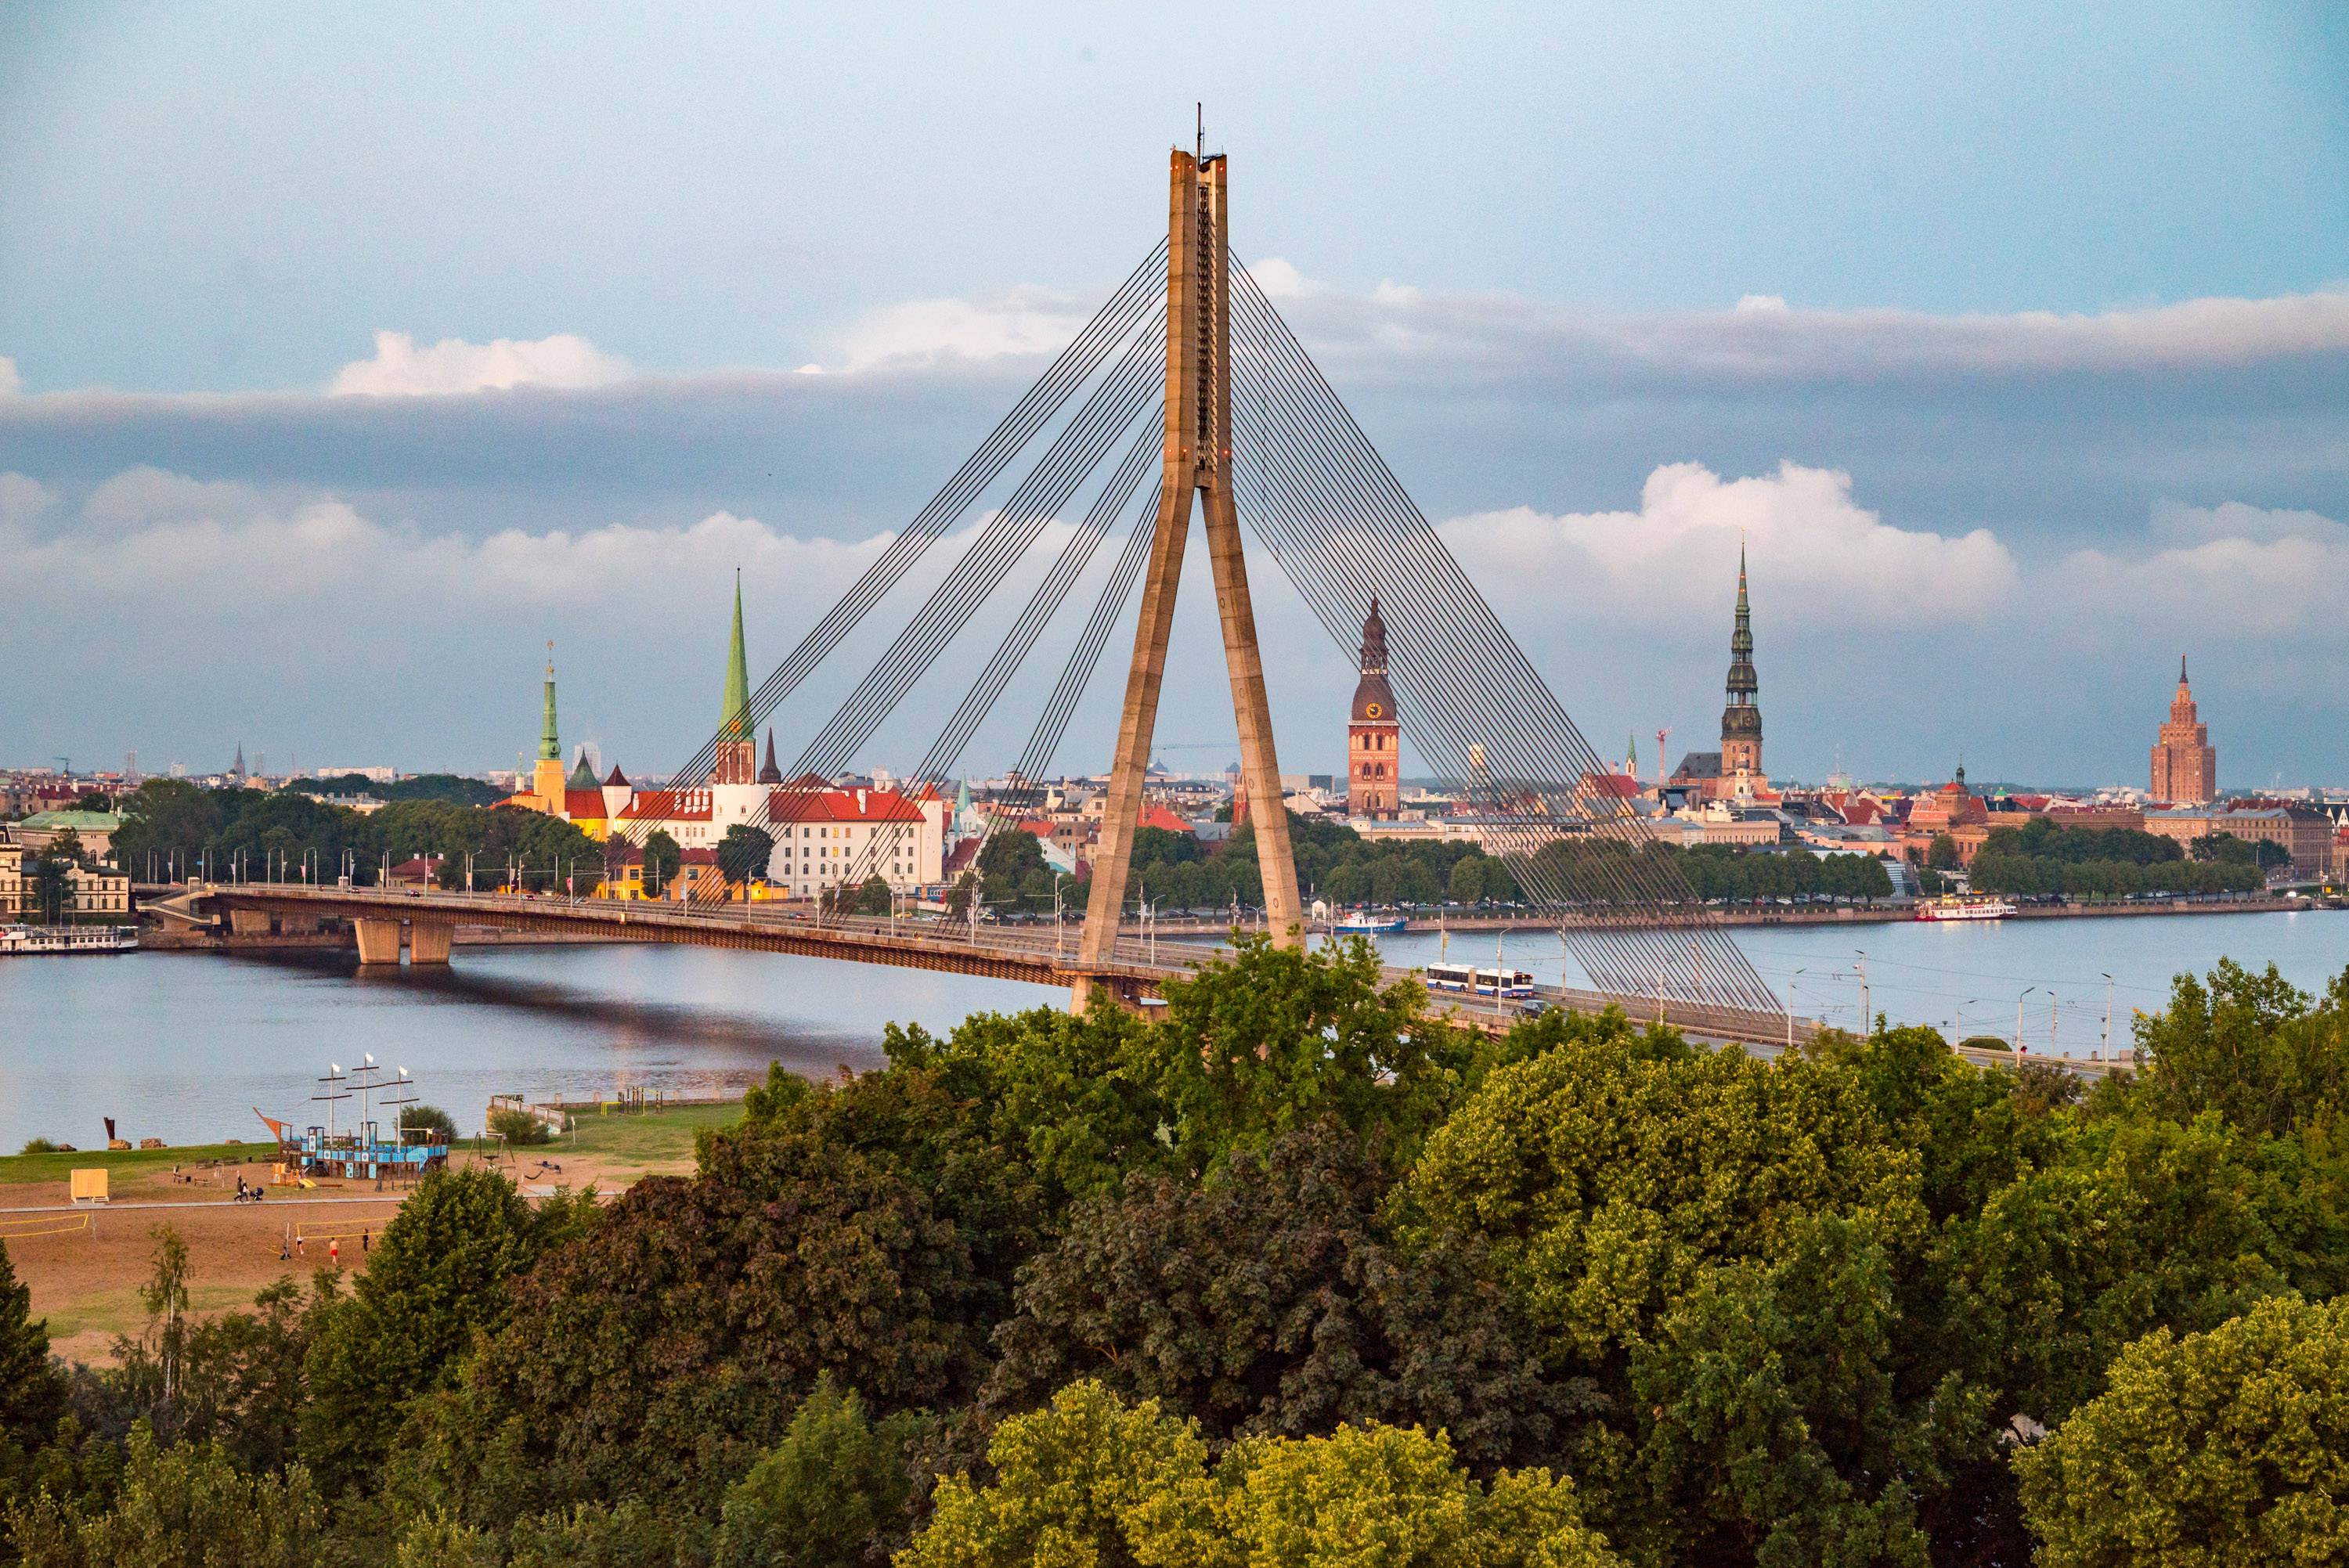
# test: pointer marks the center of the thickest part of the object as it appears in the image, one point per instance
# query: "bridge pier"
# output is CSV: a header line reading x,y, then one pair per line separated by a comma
x,y
378,941
248,921
427,942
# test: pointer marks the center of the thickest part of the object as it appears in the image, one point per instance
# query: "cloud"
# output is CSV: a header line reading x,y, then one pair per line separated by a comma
x,y
10,383
1762,337
22,500
926,332
1820,552
451,366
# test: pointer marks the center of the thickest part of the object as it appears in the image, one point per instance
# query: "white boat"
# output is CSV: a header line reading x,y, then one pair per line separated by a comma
x,y
1952,907
1369,922
1467,977
68,939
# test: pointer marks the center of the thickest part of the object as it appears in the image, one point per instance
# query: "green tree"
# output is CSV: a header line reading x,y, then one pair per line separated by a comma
x,y
438,1275
163,818
834,1488
743,855
2222,1449
31,1397
1272,1038
2267,1057
1942,854
961,896
1775,1423
428,1118
874,897
183,1506
1277,1302
1009,855
1090,1481
662,857
1606,1173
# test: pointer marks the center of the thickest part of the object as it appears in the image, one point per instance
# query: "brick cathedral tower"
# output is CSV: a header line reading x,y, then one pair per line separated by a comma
x,y
1741,721
1373,733
2185,764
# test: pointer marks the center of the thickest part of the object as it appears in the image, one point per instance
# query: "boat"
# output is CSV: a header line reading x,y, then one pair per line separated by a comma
x,y
1370,922
68,939
1951,906
1467,977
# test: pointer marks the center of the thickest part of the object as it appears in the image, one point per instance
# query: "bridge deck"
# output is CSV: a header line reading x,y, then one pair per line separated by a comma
x,y
1045,957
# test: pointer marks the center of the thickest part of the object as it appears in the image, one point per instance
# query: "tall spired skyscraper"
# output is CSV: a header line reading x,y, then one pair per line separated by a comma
x,y
1741,721
1373,733
2185,763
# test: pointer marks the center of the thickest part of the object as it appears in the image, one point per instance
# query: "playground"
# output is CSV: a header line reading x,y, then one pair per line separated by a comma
x,y
85,1262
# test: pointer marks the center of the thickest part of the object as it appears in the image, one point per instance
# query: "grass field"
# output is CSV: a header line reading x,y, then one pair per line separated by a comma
x,y
662,1138
123,1163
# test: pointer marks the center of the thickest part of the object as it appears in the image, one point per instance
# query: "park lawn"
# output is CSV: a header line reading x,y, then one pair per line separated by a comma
x,y
119,1311
124,1163
662,1137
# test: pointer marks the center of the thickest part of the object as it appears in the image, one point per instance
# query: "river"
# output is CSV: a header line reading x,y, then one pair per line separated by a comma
x,y
182,1047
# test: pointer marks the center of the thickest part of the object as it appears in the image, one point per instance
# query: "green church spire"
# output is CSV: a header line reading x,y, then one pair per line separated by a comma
x,y
550,749
734,723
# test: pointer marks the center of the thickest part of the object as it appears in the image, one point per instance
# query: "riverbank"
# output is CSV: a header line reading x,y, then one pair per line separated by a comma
x,y
85,1263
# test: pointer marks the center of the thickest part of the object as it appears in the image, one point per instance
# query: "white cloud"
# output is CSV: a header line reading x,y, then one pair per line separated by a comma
x,y
11,384
2272,575
2175,522
1393,329
1817,551
399,368
21,499
925,332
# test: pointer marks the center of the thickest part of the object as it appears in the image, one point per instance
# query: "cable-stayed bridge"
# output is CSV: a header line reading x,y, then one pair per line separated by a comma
x,y
1188,372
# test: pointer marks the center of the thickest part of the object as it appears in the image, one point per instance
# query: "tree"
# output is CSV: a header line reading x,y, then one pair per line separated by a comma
x,y
662,857
1009,856
183,1506
31,1397
1090,1481
744,854
1609,1170
438,1275
874,896
429,1118
834,1488
868,1230
961,896
1275,1302
1273,1038
1777,1426
1941,855
2267,1057
2227,1448
163,818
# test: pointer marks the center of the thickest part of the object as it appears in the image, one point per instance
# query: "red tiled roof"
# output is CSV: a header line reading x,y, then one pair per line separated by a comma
x,y
1156,817
1612,786
1036,825
792,805
667,806
584,803
617,780
696,856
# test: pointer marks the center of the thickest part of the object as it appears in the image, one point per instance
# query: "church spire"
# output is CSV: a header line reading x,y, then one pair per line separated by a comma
x,y
770,774
550,749
1740,721
734,723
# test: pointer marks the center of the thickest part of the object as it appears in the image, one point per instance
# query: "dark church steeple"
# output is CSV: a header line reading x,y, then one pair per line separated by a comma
x,y
1740,721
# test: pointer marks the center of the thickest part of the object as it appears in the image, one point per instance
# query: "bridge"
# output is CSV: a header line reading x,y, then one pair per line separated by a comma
x,y
1132,970
1188,369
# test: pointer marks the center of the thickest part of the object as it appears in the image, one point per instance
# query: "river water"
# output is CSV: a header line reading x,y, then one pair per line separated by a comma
x,y
182,1047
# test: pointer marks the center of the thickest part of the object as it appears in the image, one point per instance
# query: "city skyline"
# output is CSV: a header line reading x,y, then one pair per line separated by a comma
x,y
2008,432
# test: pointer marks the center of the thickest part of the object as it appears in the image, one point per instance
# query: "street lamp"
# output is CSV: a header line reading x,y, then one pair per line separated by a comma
x,y
2026,991
1058,941
2108,1019
1790,1001
1866,1013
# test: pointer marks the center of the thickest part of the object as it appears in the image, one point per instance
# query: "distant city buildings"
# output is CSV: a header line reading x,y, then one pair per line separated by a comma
x,y
823,835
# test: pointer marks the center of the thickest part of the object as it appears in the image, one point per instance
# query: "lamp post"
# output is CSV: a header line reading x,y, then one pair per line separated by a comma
x,y
1058,943
2026,991
1798,974
2108,1051
1866,1012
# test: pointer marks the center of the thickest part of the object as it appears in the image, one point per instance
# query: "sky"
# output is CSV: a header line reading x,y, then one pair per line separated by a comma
x,y
349,355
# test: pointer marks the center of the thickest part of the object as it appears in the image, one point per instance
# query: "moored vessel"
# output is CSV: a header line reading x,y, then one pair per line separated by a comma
x,y
1952,906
